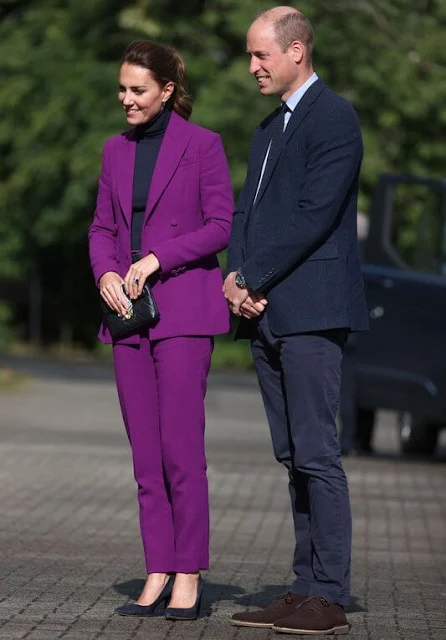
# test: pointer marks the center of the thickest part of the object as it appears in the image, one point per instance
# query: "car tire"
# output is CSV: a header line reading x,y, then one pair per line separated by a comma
x,y
417,435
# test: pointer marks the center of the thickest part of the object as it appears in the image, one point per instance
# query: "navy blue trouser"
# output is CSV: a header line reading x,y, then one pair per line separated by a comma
x,y
348,406
299,377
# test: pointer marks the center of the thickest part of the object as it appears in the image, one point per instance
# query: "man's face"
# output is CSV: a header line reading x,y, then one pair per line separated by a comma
x,y
276,71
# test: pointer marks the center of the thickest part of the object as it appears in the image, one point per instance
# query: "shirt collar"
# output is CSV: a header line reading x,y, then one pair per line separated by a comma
x,y
294,99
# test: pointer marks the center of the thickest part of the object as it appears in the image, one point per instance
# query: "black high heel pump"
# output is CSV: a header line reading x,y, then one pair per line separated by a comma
x,y
148,609
191,613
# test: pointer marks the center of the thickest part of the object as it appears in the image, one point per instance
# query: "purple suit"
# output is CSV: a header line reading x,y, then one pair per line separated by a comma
x,y
161,372
187,222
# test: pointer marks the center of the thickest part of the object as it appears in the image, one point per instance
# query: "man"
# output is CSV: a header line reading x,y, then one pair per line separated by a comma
x,y
295,280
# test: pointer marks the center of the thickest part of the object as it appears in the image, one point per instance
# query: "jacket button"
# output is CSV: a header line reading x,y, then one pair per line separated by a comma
x,y
173,223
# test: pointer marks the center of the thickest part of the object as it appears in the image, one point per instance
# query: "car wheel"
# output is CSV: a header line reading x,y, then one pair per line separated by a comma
x,y
417,435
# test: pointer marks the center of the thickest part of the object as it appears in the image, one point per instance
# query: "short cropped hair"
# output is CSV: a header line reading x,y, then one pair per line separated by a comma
x,y
290,27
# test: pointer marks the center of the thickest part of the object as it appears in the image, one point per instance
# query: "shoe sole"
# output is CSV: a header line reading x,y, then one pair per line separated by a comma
x,y
136,615
334,631
264,625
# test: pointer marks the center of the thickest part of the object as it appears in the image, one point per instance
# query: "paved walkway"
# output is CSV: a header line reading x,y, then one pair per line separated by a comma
x,y
69,538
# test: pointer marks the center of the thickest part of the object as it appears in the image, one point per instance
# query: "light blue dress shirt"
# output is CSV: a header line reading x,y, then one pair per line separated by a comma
x,y
291,103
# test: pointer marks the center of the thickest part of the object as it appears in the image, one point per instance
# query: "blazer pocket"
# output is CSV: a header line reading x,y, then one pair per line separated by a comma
x,y
325,252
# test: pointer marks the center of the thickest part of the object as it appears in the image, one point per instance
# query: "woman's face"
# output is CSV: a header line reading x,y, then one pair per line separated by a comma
x,y
140,95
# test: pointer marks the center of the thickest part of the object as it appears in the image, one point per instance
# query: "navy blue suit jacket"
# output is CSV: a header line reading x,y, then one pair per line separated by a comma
x,y
303,236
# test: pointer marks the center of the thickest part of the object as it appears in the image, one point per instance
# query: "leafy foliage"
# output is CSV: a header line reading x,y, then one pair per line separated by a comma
x,y
58,67
57,79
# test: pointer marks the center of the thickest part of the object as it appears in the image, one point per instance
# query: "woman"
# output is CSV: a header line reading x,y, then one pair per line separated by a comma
x,y
163,212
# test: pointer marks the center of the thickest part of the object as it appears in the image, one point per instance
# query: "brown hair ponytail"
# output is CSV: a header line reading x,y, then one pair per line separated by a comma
x,y
166,65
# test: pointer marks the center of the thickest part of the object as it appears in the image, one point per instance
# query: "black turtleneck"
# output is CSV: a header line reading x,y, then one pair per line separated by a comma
x,y
149,137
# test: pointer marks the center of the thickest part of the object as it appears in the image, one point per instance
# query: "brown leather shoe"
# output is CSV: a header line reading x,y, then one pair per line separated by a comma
x,y
314,616
279,609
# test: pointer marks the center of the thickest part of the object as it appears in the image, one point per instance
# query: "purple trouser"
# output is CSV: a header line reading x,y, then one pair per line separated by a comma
x,y
161,388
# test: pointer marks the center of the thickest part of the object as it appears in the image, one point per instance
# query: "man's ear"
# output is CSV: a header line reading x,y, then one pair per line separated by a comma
x,y
297,50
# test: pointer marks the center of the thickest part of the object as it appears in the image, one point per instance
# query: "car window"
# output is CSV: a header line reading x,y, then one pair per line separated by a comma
x,y
418,227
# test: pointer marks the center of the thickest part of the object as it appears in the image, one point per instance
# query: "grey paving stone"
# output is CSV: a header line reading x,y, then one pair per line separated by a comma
x,y
69,541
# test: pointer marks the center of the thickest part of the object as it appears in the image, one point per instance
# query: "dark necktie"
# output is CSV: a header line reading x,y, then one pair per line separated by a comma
x,y
276,144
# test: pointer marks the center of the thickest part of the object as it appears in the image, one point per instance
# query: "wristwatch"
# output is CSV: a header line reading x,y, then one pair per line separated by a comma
x,y
240,280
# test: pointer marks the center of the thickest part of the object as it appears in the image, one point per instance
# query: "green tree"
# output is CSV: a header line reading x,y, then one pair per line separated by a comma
x,y
386,57
58,65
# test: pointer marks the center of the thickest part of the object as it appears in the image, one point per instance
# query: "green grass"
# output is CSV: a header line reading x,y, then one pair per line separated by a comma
x,y
231,355
10,380
227,354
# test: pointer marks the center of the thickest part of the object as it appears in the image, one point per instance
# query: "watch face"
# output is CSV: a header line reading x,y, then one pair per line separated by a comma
x,y
240,281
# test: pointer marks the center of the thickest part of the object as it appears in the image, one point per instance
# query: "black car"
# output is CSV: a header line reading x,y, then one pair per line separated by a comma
x,y
402,359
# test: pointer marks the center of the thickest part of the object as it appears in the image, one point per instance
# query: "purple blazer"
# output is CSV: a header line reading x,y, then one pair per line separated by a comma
x,y
187,222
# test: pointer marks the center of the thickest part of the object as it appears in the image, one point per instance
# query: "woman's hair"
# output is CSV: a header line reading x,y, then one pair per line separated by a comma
x,y
166,65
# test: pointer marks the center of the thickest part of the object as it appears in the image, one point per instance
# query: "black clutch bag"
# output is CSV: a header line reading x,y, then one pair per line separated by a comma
x,y
143,312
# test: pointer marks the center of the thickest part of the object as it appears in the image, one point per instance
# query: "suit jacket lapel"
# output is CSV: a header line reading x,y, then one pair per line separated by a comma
x,y
258,155
172,149
302,108
125,170
299,113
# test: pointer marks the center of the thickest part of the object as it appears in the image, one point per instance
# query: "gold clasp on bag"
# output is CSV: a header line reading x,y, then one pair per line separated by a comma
x,y
129,312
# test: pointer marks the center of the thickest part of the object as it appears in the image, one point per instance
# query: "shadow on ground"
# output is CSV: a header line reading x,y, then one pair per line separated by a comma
x,y
216,592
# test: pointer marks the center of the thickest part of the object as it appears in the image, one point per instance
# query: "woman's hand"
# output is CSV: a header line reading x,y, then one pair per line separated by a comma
x,y
110,286
138,274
